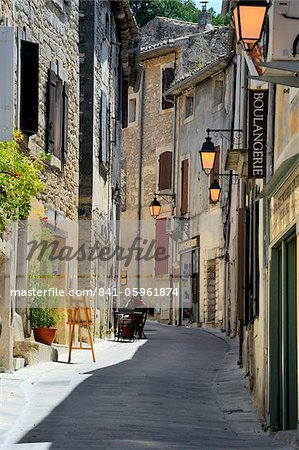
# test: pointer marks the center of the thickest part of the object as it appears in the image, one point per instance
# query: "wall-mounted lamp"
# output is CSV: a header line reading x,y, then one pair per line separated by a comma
x,y
215,190
249,19
208,155
155,206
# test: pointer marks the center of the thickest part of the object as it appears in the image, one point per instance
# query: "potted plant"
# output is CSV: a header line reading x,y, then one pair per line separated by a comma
x,y
43,320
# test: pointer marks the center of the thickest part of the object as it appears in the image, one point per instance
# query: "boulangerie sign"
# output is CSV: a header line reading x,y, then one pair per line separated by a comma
x,y
257,133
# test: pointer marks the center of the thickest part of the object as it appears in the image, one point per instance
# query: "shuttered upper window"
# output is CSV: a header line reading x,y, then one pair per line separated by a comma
x,y
162,242
165,171
167,79
57,116
29,88
184,186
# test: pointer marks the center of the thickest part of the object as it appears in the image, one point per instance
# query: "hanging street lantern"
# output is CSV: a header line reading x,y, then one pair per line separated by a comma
x,y
249,18
208,155
155,208
215,191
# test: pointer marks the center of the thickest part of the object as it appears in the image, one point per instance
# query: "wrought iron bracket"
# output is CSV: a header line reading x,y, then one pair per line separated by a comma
x,y
237,133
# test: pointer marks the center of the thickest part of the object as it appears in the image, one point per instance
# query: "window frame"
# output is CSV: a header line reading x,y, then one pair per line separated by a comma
x,y
135,97
169,65
220,105
189,94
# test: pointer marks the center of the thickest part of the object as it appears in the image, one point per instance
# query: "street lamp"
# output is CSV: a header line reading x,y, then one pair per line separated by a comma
x,y
208,155
249,19
155,208
215,190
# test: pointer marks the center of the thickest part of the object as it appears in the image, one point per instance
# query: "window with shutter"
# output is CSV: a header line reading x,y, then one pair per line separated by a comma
x,y
7,68
51,111
125,89
161,253
165,171
57,116
104,129
29,87
65,121
123,185
167,79
185,187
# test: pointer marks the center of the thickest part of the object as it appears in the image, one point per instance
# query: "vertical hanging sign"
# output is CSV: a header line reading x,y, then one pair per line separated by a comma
x,y
257,133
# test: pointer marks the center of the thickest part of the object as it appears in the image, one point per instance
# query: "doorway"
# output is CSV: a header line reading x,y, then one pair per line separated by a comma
x,y
283,335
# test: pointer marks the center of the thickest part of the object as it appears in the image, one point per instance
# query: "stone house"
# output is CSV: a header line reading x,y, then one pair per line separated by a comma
x,y
170,49
108,65
198,225
76,119
40,76
264,245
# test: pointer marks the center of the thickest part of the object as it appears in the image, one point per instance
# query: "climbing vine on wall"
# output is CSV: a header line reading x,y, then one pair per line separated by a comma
x,y
20,181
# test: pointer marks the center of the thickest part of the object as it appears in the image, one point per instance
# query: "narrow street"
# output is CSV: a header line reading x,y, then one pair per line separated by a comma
x,y
181,389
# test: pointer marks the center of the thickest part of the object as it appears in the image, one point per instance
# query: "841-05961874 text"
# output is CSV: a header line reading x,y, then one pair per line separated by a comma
x,y
142,292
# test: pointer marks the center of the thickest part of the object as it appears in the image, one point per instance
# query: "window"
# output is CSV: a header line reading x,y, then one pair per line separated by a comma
x,y
133,109
218,92
167,79
184,186
125,103
105,129
161,253
189,106
165,170
57,116
29,88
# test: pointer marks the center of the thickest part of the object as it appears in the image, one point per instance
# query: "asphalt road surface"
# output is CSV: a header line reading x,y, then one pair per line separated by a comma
x,y
178,391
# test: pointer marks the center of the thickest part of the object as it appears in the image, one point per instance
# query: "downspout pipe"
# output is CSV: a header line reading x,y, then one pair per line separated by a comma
x,y
140,161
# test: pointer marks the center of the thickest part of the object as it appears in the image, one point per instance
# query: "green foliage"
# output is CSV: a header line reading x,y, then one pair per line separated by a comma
x,y
19,181
218,20
43,312
41,317
146,10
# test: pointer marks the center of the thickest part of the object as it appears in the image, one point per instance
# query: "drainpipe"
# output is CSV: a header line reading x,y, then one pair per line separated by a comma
x,y
140,157
269,171
243,112
226,326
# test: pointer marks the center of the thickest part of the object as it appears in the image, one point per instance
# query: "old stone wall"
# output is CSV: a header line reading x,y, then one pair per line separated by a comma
x,y
54,26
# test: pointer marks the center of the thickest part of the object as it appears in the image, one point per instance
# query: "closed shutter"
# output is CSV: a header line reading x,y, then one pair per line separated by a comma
x,y
65,118
184,187
161,253
103,137
165,170
123,185
167,79
6,83
29,88
51,112
125,93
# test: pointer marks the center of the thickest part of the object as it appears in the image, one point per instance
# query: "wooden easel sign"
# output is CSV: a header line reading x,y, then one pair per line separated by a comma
x,y
79,313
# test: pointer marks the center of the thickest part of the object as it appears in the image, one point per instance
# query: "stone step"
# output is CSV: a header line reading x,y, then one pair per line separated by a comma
x,y
34,352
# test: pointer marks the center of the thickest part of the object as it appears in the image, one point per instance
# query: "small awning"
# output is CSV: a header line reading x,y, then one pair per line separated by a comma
x,y
279,72
279,176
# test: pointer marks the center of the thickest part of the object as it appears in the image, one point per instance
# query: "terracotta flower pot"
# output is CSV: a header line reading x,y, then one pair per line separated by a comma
x,y
44,335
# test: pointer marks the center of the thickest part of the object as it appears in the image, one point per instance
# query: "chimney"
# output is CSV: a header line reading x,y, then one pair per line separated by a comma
x,y
205,19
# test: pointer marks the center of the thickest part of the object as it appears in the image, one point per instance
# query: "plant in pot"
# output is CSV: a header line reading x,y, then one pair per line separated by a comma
x,y
43,319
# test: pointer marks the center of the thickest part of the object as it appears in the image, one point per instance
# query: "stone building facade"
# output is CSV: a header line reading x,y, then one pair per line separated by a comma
x,y
199,248
109,51
75,118
148,149
46,110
